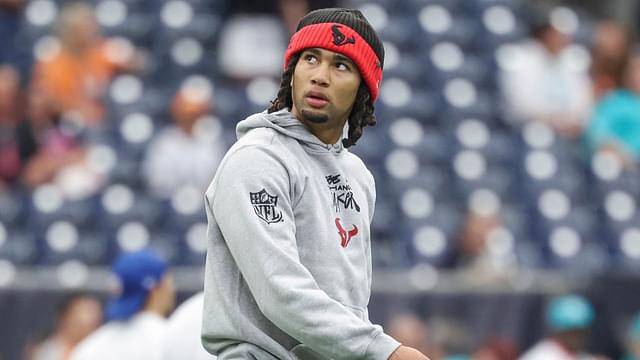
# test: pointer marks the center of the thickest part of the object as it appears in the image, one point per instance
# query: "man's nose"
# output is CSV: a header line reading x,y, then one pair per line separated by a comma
x,y
321,76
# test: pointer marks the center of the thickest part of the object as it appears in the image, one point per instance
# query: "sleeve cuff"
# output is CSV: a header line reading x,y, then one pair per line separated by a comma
x,y
381,347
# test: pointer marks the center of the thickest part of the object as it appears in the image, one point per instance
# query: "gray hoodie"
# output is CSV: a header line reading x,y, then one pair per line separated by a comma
x,y
288,271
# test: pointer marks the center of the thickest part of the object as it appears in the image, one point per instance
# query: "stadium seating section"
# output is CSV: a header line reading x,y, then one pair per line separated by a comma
x,y
441,143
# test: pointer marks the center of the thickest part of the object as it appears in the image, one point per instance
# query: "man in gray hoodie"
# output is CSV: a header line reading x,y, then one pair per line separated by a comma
x,y
288,271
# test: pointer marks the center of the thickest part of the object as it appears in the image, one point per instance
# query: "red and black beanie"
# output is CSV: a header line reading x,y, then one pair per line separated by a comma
x,y
344,31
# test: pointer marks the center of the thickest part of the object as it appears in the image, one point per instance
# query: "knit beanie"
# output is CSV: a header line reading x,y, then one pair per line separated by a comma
x,y
344,31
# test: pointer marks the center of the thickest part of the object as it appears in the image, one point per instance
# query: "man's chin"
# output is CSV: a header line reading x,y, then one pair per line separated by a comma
x,y
314,116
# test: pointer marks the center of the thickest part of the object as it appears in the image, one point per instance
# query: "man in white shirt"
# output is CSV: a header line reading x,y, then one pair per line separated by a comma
x,y
568,318
546,79
137,314
186,152
183,333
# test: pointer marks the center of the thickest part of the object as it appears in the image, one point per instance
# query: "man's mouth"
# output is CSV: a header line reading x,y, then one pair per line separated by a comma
x,y
316,99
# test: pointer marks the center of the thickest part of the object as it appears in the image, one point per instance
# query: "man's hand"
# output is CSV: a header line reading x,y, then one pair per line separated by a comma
x,y
407,353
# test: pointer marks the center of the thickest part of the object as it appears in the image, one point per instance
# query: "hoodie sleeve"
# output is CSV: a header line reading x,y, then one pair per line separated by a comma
x,y
252,204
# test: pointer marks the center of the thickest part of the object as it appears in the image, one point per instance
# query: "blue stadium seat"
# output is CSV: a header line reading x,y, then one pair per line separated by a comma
x,y
62,242
232,104
438,26
433,240
389,253
626,181
179,221
81,213
625,247
18,245
580,219
454,6
497,146
401,30
422,105
127,19
529,255
391,7
134,134
434,180
499,22
453,105
167,246
408,67
516,218
372,146
13,206
192,19
186,57
386,215
39,19
565,249
446,61
127,170
472,170
193,244
119,204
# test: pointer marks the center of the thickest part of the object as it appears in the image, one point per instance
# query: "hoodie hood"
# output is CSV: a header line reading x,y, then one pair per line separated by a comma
x,y
285,123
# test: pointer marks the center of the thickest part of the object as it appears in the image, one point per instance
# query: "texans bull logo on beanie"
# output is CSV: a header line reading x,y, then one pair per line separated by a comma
x,y
346,32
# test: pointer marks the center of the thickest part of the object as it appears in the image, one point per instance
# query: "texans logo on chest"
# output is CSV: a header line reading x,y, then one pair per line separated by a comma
x,y
342,199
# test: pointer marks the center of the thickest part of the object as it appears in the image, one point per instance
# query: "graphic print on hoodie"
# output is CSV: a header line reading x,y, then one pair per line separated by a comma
x,y
289,258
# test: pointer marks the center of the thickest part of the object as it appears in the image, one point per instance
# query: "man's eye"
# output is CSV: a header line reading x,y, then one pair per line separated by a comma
x,y
310,58
342,66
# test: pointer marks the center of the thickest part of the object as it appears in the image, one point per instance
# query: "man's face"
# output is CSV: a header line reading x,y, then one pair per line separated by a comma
x,y
324,88
574,340
167,291
633,74
83,318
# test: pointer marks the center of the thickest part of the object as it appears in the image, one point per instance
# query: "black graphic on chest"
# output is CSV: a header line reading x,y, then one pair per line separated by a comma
x,y
342,193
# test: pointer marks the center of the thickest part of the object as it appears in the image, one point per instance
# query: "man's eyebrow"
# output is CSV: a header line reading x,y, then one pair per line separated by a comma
x,y
342,58
315,52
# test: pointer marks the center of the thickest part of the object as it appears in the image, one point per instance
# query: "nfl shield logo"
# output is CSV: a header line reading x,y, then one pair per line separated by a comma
x,y
264,206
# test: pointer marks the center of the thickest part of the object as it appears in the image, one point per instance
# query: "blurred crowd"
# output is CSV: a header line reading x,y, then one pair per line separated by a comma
x,y
139,321
87,102
72,114
60,109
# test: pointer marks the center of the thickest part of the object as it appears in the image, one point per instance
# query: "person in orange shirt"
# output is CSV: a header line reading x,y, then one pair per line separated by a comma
x,y
76,75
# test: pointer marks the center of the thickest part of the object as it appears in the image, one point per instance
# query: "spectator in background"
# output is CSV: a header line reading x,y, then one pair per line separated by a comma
x,y
77,316
75,77
188,151
610,52
411,331
184,329
50,150
291,11
615,126
472,239
256,34
569,318
496,349
632,340
136,314
9,115
477,237
9,95
544,82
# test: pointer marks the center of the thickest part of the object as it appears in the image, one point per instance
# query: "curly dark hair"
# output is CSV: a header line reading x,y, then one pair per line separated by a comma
x,y
362,113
